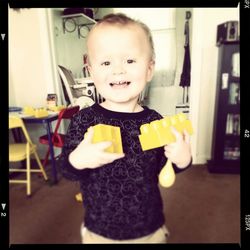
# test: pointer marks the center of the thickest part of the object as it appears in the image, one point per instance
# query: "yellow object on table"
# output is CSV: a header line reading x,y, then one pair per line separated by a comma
x,y
41,112
103,132
38,112
29,111
158,133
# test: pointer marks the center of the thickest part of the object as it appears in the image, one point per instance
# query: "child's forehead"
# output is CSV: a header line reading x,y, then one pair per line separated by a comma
x,y
117,36
106,28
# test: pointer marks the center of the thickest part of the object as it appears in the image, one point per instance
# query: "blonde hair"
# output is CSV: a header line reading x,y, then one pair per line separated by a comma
x,y
122,19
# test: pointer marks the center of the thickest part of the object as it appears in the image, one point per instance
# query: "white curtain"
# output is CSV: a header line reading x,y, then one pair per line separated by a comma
x,y
162,23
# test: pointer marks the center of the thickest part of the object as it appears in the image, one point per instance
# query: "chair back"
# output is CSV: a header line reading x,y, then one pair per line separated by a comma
x,y
74,93
17,122
66,113
68,81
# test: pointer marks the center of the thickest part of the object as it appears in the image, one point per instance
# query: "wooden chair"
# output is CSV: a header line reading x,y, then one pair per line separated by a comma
x,y
22,151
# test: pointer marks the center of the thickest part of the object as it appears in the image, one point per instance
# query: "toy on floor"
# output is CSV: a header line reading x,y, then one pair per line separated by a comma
x,y
78,197
158,133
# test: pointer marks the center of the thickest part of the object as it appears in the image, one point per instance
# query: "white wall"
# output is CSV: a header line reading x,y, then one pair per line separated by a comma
x,y
29,58
30,70
204,75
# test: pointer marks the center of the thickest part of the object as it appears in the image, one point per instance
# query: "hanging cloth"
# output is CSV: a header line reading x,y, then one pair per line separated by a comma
x,y
185,75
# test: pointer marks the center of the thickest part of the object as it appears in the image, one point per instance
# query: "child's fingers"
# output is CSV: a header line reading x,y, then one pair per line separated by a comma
x,y
168,148
177,134
89,136
102,145
186,136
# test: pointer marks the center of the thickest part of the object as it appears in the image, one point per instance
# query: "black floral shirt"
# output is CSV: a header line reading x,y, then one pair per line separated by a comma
x,y
121,199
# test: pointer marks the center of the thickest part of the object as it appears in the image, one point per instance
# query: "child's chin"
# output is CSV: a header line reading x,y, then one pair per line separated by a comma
x,y
120,99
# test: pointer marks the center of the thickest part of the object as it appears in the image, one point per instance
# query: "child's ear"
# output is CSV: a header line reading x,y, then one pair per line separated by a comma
x,y
151,68
89,66
89,69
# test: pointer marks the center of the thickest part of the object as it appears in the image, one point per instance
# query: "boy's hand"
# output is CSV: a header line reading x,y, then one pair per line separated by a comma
x,y
179,152
92,155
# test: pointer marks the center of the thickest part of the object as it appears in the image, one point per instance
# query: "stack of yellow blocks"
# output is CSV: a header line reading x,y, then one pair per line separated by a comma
x,y
103,132
158,133
29,111
42,112
38,113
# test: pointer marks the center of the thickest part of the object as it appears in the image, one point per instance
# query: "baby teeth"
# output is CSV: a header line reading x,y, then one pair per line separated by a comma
x,y
119,83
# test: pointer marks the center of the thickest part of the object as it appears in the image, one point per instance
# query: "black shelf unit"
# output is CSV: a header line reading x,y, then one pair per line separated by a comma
x,y
226,130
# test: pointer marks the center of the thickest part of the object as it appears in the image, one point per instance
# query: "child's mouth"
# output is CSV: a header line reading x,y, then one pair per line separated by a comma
x,y
119,84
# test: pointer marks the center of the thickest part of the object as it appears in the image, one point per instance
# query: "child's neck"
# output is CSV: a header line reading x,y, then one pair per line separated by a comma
x,y
122,107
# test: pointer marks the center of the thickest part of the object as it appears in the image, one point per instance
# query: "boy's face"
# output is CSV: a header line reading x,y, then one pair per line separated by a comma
x,y
120,61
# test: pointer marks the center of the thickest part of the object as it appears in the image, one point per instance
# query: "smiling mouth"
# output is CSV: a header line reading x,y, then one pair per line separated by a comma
x,y
120,83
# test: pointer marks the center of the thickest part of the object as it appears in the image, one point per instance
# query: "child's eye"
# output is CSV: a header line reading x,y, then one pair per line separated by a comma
x,y
107,63
129,61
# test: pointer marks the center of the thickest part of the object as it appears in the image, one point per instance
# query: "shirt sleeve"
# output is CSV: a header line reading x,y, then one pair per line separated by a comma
x,y
74,136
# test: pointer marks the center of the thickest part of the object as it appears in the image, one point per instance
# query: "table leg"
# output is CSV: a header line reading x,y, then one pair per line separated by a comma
x,y
51,150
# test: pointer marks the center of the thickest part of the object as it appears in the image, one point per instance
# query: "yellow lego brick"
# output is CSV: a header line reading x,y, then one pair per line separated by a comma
x,y
148,137
78,197
38,113
103,132
176,123
41,112
188,127
29,111
158,133
164,131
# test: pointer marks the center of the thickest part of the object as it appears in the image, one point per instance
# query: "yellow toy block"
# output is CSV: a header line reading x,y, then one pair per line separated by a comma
x,y
29,111
38,113
103,132
78,197
41,112
158,133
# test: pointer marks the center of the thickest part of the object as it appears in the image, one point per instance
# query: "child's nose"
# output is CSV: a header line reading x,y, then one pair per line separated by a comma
x,y
119,69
